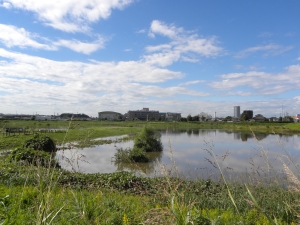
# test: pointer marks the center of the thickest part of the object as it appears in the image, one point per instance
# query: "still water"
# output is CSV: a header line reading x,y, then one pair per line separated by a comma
x,y
190,153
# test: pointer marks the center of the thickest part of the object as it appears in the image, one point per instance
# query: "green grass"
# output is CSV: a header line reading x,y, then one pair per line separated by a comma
x,y
44,195
30,194
84,132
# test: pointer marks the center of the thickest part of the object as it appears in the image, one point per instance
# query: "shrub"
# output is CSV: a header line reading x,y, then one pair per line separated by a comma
x,y
130,155
34,157
138,155
40,142
122,155
148,140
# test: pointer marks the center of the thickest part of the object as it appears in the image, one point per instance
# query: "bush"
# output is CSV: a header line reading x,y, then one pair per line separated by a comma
x,y
128,155
122,155
40,142
34,157
138,155
148,140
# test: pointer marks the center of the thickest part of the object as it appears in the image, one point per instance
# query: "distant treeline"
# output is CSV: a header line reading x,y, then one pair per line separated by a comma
x,y
72,115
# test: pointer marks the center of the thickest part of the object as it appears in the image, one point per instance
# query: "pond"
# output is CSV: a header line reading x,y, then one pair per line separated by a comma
x,y
190,153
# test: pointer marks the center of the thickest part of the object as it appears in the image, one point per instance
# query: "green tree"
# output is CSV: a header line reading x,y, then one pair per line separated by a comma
x,y
228,118
244,117
183,119
196,118
189,118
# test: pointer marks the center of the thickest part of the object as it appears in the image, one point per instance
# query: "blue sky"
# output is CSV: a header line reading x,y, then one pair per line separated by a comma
x,y
86,56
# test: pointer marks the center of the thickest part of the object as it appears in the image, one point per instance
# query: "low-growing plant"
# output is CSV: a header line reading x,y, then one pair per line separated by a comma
x,y
28,156
40,142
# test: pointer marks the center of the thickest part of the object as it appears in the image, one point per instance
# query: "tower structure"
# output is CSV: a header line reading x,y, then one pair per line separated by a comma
x,y
236,112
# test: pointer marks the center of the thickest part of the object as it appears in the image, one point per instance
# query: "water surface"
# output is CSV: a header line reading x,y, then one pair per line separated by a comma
x,y
191,153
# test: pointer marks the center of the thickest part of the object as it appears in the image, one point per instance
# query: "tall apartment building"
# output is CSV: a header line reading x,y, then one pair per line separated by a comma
x,y
236,112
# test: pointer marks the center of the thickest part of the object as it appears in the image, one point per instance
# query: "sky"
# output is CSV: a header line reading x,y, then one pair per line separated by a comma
x,y
191,56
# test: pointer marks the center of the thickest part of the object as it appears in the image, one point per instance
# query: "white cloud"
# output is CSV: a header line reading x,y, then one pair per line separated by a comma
x,y
63,84
158,27
142,31
162,47
6,5
270,49
81,47
183,45
297,98
191,82
69,15
12,36
261,82
71,86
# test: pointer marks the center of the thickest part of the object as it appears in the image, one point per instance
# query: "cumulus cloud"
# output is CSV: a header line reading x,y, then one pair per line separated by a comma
x,y
68,15
268,50
12,36
184,45
261,82
75,84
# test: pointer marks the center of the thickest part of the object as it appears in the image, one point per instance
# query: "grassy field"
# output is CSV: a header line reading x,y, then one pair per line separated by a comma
x,y
37,195
85,131
44,195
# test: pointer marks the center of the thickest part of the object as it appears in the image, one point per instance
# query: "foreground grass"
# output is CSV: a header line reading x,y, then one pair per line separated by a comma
x,y
38,195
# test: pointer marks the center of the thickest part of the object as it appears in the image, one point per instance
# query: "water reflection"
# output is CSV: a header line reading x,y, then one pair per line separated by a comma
x,y
142,168
187,152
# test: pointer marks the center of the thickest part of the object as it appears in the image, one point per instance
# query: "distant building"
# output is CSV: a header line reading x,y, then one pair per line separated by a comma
x,y
43,117
273,119
162,116
249,114
236,112
144,114
259,118
297,117
109,115
171,116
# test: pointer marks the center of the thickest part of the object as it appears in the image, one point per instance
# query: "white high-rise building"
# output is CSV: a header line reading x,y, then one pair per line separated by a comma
x,y
236,112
